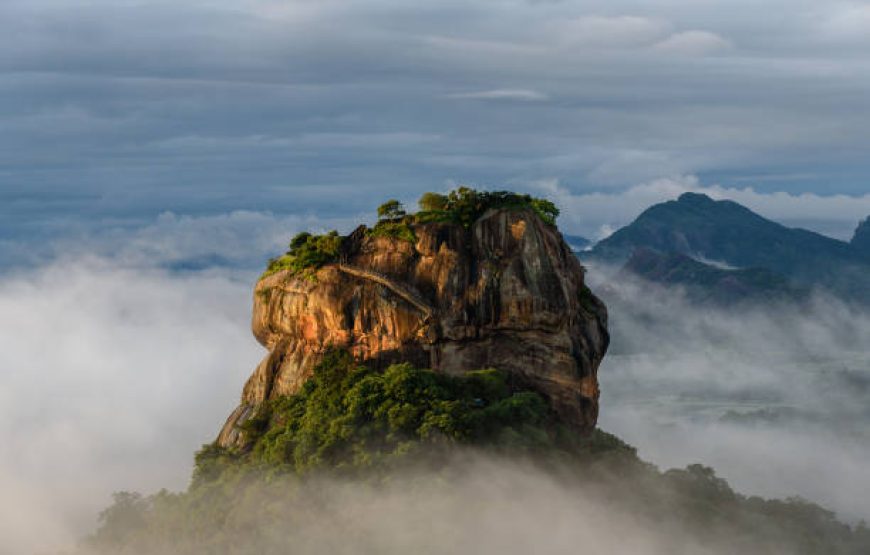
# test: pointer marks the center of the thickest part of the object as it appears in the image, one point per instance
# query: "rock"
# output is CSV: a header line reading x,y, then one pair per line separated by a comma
x,y
507,293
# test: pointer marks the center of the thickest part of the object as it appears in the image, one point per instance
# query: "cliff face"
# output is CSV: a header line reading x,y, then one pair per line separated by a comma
x,y
508,294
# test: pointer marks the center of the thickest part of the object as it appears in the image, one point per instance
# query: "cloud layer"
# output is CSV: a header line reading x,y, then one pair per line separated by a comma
x,y
110,378
118,111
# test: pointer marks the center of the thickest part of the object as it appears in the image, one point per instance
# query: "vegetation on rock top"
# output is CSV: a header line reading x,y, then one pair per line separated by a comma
x,y
463,206
307,253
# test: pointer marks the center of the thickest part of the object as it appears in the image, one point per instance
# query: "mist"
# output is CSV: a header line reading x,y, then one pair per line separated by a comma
x,y
117,366
111,378
775,397
474,504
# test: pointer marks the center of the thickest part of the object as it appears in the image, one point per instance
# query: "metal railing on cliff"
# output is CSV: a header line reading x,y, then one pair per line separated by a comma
x,y
402,291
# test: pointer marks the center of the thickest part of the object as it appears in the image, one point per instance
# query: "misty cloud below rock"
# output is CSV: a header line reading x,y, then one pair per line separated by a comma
x,y
772,395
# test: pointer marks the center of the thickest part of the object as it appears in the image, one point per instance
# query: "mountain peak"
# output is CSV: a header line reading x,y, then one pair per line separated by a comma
x,y
696,199
706,229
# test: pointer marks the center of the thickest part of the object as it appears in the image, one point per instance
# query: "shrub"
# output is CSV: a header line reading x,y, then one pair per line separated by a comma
x,y
395,229
349,415
465,205
432,202
391,210
307,253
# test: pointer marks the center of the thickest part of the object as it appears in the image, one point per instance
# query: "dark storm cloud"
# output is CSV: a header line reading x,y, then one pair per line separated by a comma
x,y
125,109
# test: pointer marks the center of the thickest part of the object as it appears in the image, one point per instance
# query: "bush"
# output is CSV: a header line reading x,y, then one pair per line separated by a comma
x,y
391,210
464,205
394,229
432,202
307,253
350,416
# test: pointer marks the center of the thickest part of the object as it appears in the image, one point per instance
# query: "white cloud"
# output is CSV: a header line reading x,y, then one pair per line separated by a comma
x,y
692,43
240,239
675,369
605,231
847,22
615,32
110,378
586,212
523,95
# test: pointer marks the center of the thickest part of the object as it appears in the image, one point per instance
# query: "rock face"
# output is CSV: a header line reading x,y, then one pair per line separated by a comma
x,y
507,293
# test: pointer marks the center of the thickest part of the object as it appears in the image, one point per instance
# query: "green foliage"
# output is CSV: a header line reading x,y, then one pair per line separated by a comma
x,y
464,205
432,202
391,210
404,426
307,253
393,222
350,416
394,229
122,519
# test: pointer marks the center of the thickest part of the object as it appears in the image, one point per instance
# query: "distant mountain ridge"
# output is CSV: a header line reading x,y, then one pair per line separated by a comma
x,y
576,242
861,239
707,284
701,228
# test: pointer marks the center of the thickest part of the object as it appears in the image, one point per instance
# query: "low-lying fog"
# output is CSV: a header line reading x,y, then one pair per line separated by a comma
x,y
112,374
776,399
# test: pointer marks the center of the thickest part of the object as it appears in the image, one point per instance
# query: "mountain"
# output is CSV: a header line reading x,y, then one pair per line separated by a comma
x,y
704,283
504,291
861,240
726,232
576,242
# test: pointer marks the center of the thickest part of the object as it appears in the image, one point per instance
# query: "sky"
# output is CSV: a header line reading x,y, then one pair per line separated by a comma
x,y
115,112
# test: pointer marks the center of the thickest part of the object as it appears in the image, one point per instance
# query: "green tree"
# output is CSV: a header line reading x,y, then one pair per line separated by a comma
x,y
125,518
545,209
433,202
391,210
299,240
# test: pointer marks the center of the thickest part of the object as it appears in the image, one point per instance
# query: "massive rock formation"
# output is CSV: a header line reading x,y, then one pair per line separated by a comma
x,y
507,293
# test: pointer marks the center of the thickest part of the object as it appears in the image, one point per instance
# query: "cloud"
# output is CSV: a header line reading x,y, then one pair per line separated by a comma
x,y
110,378
678,376
523,95
123,110
692,43
584,213
620,31
846,22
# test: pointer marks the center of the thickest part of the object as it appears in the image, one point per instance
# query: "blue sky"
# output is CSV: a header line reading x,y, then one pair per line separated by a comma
x,y
113,112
